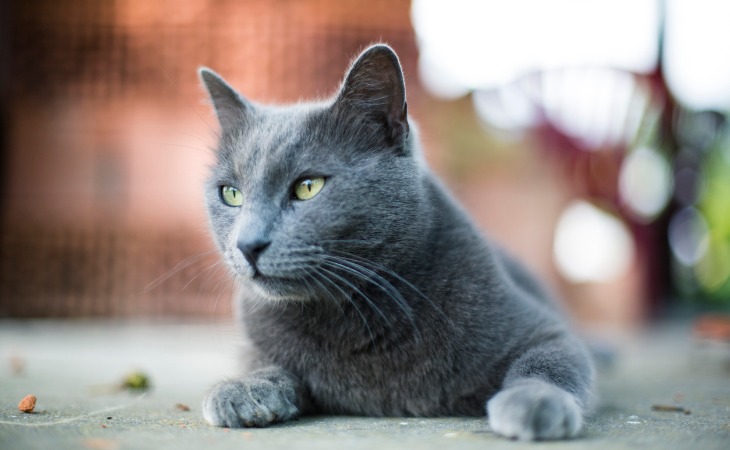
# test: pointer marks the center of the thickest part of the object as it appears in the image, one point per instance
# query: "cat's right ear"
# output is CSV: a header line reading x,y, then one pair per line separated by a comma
x,y
374,87
230,107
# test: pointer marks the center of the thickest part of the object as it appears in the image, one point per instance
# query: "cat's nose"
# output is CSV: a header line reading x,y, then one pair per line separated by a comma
x,y
252,249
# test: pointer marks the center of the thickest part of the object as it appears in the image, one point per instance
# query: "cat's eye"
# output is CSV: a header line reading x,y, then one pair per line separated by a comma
x,y
307,188
231,196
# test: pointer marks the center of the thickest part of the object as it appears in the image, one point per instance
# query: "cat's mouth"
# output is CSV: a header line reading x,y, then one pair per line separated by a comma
x,y
277,278
277,288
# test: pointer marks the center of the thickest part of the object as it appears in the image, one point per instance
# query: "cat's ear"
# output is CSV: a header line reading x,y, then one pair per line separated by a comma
x,y
230,107
374,86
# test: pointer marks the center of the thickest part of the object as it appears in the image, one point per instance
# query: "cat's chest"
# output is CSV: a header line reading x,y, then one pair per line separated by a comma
x,y
304,343
373,381
352,369
335,356
395,373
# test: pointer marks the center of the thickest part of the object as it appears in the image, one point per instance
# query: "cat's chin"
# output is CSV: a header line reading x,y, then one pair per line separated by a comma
x,y
276,290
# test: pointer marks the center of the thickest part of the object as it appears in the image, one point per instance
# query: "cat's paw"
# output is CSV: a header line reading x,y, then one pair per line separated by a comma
x,y
248,403
534,410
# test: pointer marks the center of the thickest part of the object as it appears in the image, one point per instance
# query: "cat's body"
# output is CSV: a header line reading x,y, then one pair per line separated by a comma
x,y
374,294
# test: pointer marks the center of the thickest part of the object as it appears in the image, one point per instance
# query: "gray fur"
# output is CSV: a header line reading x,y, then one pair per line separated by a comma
x,y
378,296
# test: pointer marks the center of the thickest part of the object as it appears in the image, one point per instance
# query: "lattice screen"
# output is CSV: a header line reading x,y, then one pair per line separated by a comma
x,y
98,201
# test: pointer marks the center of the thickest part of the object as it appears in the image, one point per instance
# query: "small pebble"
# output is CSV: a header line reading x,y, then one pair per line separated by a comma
x,y
136,381
27,404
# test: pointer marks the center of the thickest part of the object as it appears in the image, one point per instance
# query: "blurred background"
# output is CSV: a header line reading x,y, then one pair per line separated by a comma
x,y
590,138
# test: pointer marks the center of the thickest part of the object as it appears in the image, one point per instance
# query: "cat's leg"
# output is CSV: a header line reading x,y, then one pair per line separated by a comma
x,y
261,398
545,393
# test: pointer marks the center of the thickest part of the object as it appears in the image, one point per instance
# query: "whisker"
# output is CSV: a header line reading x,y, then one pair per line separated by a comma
x,y
347,297
216,268
370,303
256,305
326,290
375,266
182,265
384,285
369,275
207,269
189,147
346,241
222,286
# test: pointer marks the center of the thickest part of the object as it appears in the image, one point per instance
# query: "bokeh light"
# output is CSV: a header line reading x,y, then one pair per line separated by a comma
x,y
688,236
591,245
696,49
713,270
482,44
507,109
597,107
645,182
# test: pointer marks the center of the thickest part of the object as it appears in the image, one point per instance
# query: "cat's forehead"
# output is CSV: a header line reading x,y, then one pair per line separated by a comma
x,y
276,142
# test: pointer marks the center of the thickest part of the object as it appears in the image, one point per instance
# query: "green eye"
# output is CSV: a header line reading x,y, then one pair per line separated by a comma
x,y
307,188
231,196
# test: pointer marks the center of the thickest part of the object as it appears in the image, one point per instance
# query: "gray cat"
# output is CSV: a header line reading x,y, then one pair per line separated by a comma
x,y
365,288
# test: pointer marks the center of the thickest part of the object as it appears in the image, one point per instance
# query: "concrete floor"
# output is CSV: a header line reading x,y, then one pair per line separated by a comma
x,y
72,366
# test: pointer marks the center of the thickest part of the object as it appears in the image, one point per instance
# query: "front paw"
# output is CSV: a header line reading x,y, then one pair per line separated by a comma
x,y
248,403
534,410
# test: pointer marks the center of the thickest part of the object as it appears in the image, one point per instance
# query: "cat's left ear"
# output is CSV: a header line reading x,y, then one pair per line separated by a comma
x,y
374,86
230,107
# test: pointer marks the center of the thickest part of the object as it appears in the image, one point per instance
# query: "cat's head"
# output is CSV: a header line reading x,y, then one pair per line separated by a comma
x,y
310,199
